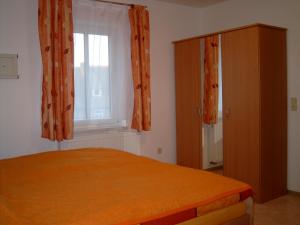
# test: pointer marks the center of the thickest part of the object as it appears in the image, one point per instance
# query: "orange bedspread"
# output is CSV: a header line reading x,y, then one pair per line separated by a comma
x,y
101,187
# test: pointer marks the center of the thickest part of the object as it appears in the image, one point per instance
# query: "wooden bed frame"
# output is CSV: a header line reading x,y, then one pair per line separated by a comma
x,y
243,220
189,217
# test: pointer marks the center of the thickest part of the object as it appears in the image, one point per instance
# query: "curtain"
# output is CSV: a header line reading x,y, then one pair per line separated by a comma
x,y
140,57
103,82
211,88
56,43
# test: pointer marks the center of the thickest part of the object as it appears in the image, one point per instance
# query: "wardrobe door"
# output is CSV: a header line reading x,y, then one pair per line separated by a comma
x,y
273,112
188,119
241,106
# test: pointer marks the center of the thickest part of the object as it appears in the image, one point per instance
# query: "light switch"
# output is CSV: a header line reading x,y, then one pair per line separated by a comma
x,y
294,104
8,66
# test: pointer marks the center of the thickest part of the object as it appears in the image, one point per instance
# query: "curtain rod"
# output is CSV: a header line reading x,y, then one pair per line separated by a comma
x,y
116,3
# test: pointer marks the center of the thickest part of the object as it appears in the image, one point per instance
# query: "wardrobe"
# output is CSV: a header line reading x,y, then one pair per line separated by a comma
x,y
254,90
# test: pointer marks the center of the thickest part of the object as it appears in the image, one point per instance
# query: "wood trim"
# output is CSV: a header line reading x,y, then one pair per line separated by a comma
x,y
230,30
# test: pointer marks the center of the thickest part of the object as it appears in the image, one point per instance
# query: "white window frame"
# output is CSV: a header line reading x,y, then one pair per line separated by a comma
x,y
99,124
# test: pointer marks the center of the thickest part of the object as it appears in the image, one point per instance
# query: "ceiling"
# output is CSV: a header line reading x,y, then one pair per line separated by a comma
x,y
194,3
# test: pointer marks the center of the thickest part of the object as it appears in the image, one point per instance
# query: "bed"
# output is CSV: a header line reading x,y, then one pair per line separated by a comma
x,y
97,186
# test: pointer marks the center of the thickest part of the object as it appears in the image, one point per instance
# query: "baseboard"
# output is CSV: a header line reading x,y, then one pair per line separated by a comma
x,y
294,193
215,168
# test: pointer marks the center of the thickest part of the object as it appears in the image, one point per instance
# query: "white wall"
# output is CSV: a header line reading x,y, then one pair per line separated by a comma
x,y
20,99
117,139
234,13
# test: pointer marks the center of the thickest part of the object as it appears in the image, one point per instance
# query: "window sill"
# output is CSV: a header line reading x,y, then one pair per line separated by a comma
x,y
83,127
98,129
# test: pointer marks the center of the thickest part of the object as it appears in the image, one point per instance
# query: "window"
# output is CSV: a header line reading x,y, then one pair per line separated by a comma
x,y
92,77
102,67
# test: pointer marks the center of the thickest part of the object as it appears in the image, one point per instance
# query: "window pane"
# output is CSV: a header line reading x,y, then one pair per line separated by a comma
x,y
99,101
79,77
98,50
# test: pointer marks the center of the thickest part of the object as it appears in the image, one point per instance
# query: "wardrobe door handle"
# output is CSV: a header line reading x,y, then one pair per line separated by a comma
x,y
227,112
199,111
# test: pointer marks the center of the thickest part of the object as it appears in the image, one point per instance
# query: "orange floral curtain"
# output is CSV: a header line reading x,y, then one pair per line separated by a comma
x,y
140,57
211,86
56,42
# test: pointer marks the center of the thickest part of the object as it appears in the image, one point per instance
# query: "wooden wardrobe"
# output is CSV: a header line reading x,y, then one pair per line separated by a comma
x,y
254,107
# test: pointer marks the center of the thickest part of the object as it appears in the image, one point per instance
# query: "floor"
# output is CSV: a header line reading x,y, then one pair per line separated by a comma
x,y
281,211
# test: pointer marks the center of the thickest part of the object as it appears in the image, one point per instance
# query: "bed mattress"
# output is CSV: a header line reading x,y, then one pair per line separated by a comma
x,y
109,187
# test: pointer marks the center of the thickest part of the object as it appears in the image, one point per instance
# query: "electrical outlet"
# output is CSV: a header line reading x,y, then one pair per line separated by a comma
x,y
294,104
159,150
